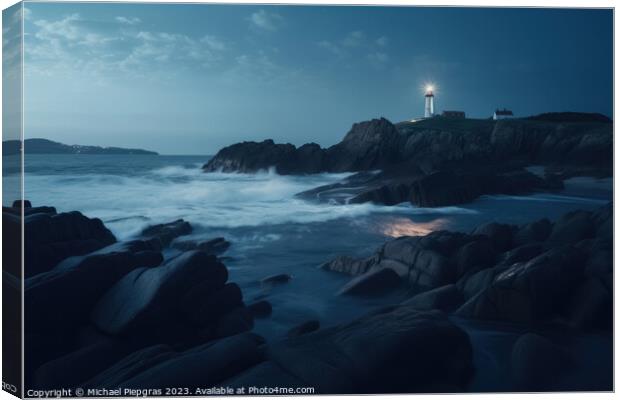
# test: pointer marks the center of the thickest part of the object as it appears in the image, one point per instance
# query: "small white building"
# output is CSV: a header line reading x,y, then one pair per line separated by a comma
x,y
502,114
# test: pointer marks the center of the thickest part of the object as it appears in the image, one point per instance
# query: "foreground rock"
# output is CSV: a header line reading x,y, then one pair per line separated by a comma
x,y
394,350
533,274
50,237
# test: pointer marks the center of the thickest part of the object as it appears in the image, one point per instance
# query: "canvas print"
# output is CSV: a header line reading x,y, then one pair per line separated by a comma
x,y
227,199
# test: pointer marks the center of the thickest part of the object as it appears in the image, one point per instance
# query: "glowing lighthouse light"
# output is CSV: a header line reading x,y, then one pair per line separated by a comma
x,y
429,102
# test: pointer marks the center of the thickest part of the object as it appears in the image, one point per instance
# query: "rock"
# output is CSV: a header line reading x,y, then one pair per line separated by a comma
x,y
260,309
12,244
87,278
201,367
18,204
536,363
145,299
446,298
237,321
475,255
74,368
500,234
265,375
213,305
215,246
471,284
591,307
304,328
571,228
445,188
393,350
50,238
529,292
372,283
130,366
533,232
349,265
521,254
167,232
277,279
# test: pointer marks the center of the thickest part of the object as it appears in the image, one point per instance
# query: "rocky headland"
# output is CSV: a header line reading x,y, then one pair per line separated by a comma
x,y
45,146
439,161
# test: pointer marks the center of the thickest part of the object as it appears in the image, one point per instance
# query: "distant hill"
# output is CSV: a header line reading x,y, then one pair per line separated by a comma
x,y
44,146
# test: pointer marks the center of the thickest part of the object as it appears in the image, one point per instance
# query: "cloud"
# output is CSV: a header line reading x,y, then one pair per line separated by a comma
x,y
267,21
356,43
128,21
382,41
354,39
213,43
378,59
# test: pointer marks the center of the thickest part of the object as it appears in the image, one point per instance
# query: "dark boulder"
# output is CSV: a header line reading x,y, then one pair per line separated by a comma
x,y
74,368
50,238
215,246
537,364
475,255
446,298
146,299
18,204
529,292
128,367
200,367
304,328
393,350
533,232
521,254
166,233
572,228
349,265
213,304
501,235
372,283
591,306
238,320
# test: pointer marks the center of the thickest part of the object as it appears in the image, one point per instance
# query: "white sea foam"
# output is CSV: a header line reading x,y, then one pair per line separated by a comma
x,y
224,200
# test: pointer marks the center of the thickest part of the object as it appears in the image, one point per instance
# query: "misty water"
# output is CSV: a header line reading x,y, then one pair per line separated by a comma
x,y
270,229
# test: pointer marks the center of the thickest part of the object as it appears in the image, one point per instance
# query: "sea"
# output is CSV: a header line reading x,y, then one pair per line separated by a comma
x,y
270,229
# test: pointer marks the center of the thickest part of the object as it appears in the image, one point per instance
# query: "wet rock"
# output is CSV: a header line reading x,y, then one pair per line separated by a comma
x,y
76,367
372,283
304,328
529,292
86,278
50,238
472,284
533,232
591,307
201,367
572,228
237,321
277,279
130,366
475,255
521,254
260,309
349,265
146,299
500,235
537,363
166,233
393,350
215,246
213,304
446,298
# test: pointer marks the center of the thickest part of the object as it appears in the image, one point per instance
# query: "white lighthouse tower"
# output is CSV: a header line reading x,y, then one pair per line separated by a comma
x,y
429,103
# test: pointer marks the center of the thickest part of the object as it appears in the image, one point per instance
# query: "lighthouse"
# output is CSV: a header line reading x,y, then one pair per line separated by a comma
x,y
429,103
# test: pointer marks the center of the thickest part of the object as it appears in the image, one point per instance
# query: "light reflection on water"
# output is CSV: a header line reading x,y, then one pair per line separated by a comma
x,y
398,227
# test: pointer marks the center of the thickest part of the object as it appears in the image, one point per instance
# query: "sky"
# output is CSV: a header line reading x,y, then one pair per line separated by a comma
x,y
190,79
